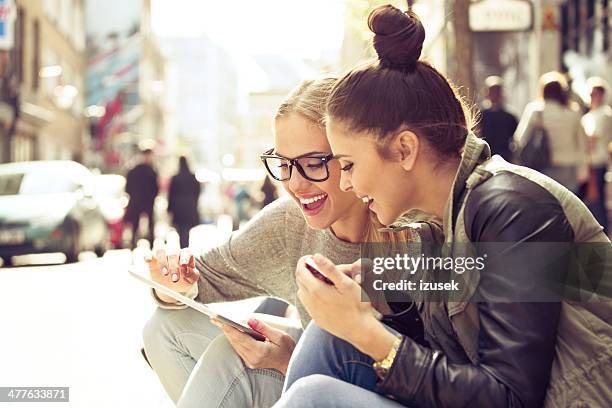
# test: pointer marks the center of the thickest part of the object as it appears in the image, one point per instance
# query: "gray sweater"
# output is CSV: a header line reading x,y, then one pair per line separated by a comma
x,y
260,258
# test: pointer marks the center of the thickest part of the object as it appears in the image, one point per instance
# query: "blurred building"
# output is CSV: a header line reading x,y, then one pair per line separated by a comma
x,y
126,82
257,136
518,40
524,39
44,81
205,98
584,40
279,75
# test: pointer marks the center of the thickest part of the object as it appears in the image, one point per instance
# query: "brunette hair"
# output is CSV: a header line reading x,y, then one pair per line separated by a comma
x,y
597,84
399,91
553,87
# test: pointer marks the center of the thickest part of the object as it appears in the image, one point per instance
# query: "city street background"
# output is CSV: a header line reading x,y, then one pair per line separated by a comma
x,y
89,88
79,326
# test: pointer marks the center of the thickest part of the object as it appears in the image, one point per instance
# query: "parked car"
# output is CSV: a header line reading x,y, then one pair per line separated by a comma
x,y
110,191
49,206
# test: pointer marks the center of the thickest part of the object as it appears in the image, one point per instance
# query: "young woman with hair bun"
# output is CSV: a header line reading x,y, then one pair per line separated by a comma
x,y
507,338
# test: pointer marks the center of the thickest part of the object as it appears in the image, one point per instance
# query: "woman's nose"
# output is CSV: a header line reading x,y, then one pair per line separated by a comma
x,y
345,182
297,182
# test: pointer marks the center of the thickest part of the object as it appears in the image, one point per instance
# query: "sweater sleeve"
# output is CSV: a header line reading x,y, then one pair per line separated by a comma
x,y
251,262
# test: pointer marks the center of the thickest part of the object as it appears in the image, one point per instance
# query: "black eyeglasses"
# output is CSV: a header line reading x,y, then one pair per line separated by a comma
x,y
311,166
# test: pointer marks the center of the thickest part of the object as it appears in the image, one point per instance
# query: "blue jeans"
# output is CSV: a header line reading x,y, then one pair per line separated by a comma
x,y
199,368
326,371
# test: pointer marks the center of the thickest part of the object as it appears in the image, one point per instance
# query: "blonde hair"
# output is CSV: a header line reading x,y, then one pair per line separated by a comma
x,y
309,99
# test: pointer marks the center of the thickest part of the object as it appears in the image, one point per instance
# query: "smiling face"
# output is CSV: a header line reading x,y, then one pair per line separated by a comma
x,y
383,181
322,203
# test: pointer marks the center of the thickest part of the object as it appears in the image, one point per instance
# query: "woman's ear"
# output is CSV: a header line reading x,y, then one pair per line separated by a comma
x,y
406,147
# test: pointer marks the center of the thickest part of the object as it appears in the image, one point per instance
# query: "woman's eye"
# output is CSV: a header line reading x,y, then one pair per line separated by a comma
x,y
347,167
315,166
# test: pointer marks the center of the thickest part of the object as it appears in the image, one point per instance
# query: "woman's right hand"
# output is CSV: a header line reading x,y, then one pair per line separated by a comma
x,y
172,268
274,352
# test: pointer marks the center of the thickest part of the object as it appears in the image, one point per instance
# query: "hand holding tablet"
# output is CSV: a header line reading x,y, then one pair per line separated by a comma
x,y
161,289
172,266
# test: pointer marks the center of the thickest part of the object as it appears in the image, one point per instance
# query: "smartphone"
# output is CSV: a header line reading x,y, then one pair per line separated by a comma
x,y
312,267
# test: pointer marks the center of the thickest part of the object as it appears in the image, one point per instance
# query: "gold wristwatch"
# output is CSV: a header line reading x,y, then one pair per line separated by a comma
x,y
382,367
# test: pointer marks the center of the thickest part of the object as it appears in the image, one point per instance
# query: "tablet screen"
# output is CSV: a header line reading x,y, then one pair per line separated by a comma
x,y
195,305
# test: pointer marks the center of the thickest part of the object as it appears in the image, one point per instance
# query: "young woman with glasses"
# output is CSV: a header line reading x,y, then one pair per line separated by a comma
x,y
530,328
196,363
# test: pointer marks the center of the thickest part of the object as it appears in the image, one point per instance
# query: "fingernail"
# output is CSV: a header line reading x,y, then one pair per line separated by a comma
x,y
164,270
175,277
148,258
253,323
358,278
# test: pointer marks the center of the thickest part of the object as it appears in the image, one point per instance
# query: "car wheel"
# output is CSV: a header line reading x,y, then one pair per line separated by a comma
x,y
7,261
72,255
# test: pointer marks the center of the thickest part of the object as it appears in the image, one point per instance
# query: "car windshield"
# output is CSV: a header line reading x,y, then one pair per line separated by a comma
x,y
9,183
36,182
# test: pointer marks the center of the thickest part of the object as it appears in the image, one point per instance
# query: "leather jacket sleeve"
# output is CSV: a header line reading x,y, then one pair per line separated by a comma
x,y
516,339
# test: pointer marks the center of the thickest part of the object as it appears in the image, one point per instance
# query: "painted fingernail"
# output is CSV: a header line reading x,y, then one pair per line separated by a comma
x,y
253,323
164,270
175,277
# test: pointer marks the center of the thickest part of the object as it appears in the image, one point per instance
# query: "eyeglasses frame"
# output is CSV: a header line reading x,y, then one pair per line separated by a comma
x,y
294,163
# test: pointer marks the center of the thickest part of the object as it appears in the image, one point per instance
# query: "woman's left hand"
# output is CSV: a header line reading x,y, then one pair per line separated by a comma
x,y
338,309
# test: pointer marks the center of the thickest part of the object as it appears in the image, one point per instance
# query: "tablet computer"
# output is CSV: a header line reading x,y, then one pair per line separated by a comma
x,y
195,305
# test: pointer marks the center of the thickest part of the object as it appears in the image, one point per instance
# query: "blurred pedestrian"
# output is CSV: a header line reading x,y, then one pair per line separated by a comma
x,y
564,133
183,201
243,205
597,124
269,192
142,187
497,125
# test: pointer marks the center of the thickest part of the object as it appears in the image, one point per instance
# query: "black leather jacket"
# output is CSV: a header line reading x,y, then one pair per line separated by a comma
x,y
516,341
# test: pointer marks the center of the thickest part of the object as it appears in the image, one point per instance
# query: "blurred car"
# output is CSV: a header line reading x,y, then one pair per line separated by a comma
x,y
110,192
48,206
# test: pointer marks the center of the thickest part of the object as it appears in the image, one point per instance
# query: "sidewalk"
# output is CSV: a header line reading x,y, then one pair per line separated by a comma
x,y
82,329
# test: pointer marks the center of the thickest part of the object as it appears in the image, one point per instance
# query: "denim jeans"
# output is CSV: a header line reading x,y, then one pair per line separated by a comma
x,y
199,368
326,371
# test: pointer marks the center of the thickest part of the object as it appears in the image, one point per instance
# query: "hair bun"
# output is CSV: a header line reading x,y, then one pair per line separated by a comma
x,y
398,36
